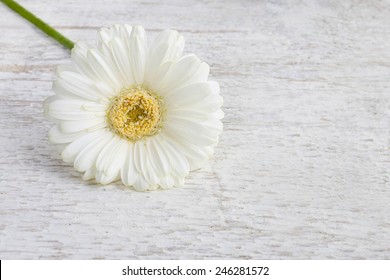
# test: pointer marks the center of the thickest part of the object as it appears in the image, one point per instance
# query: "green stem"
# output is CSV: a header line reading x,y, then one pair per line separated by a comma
x,y
39,23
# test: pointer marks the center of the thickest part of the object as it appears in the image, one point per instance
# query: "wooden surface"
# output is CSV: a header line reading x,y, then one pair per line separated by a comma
x,y
302,168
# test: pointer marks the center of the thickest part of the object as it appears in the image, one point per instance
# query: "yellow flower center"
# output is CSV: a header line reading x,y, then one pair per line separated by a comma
x,y
135,113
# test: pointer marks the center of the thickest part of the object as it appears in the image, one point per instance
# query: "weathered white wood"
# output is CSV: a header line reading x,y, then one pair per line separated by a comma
x,y
302,167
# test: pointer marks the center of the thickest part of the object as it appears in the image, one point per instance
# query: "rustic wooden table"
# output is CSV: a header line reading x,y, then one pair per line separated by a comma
x,y
302,168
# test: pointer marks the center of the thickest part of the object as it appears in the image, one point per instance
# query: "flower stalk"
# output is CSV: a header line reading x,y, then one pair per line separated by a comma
x,y
39,23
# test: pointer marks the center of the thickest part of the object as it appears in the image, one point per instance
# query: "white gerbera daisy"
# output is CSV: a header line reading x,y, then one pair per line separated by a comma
x,y
146,116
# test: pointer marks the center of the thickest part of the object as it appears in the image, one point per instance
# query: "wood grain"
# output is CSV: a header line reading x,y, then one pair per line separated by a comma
x,y
302,169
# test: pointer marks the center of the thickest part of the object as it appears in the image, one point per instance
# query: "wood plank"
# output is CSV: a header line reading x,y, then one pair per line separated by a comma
x,y
301,170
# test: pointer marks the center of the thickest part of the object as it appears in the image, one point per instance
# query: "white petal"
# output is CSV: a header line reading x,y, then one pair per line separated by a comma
x,y
67,86
125,32
89,174
173,44
167,182
103,69
138,50
179,73
71,151
213,125
58,137
139,156
105,179
71,109
202,74
153,187
115,30
60,147
80,59
179,163
188,95
79,126
105,157
167,47
142,162
109,160
140,184
179,181
94,107
188,113
106,51
202,97
121,31
199,75
46,107
122,60
218,114
128,171
190,131
103,35
215,89
196,155
69,68
151,177
210,104
150,173
158,156
86,158
118,158
106,90
159,77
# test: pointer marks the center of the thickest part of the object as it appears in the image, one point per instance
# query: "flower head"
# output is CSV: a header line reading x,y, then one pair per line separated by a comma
x,y
144,115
